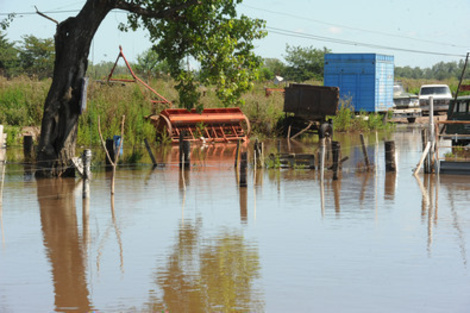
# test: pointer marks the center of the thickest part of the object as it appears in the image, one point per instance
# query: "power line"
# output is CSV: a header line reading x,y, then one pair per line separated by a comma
x,y
289,33
356,28
45,12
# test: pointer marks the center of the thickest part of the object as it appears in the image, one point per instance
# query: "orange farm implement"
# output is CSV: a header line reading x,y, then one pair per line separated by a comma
x,y
210,125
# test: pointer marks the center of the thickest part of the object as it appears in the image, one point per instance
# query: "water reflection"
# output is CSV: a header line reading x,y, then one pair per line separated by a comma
x,y
243,204
63,244
390,185
215,274
203,259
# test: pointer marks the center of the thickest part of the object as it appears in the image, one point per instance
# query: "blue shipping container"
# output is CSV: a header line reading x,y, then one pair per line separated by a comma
x,y
365,78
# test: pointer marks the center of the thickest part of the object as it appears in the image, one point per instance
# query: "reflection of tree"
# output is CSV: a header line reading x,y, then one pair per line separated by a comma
x,y
209,275
62,241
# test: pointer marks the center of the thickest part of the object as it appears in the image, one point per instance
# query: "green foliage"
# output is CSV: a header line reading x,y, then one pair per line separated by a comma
x,y
439,71
21,101
305,63
5,23
149,65
12,134
273,161
8,57
211,33
37,56
274,66
346,120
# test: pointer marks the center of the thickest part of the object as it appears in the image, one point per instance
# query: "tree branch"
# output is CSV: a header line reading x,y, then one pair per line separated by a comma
x,y
45,16
137,9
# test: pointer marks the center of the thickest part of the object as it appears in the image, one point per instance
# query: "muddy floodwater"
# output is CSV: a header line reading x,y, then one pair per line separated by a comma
x,y
167,242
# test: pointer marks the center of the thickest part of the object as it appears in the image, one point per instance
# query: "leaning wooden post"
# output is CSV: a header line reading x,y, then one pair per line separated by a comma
x,y
364,151
335,146
390,164
243,169
149,150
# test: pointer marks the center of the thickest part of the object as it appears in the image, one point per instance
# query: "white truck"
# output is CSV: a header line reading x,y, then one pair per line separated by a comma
x,y
405,105
441,95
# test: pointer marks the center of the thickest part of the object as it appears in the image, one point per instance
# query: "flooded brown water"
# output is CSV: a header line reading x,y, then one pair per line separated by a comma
x,y
375,242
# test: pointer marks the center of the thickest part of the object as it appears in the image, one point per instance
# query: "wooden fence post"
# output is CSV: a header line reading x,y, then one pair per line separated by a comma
x,y
149,150
364,151
27,148
185,147
243,169
390,164
335,146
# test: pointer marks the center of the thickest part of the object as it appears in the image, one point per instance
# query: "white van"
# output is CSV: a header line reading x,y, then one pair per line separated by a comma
x,y
441,97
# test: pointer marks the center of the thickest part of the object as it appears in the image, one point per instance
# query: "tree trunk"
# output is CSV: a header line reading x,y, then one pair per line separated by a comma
x,y
62,107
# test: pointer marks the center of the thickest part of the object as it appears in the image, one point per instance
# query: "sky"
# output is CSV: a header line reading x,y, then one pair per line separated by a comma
x,y
417,33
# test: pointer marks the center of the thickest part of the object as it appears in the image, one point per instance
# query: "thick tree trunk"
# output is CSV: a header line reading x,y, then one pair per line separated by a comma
x,y
62,107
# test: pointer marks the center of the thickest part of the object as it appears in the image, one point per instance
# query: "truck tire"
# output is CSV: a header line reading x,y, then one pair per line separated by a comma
x,y
326,130
411,120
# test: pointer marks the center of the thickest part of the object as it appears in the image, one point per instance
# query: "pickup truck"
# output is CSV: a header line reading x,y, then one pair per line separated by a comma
x,y
441,97
405,105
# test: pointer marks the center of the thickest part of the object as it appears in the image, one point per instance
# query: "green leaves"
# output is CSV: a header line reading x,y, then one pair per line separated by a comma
x,y
212,34
305,63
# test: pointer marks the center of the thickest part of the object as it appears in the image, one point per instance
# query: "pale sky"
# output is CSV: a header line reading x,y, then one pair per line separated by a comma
x,y
417,33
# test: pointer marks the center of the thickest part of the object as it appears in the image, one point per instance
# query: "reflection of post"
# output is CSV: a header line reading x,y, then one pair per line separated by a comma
x,y
243,204
425,196
85,222
430,188
322,196
62,241
365,181
118,234
183,180
390,181
337,193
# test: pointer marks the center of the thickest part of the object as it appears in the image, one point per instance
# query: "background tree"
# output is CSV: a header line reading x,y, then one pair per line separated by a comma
x,y
8,57
305,63
36,56
207,30
150,65
272,67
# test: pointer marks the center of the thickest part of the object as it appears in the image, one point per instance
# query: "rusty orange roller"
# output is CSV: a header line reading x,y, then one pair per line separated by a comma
x,y
211,125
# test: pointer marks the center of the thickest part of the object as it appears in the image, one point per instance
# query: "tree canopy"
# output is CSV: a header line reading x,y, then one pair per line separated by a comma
x,y
211,32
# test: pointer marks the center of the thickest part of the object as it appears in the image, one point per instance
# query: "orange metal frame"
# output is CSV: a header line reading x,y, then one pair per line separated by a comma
x,y
211,125
136,79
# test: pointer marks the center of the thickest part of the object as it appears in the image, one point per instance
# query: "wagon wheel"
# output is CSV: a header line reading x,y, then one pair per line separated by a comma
x,y
246,127
162,124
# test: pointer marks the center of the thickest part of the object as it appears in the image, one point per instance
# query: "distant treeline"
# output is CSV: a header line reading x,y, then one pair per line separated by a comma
x,y
34,57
